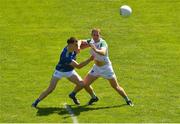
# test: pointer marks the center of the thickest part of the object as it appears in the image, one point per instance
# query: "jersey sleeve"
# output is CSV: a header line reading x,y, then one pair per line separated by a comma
x,y
88,41
103,44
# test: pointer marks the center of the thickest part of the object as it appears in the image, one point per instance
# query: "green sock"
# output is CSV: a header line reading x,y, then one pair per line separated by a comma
x,y
126,98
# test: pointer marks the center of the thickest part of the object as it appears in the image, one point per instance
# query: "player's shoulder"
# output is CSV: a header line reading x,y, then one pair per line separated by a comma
x,y
102,40
103,43
64,49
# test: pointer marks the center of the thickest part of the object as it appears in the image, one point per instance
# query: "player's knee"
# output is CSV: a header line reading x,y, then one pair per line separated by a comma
x,y
86,85
81,83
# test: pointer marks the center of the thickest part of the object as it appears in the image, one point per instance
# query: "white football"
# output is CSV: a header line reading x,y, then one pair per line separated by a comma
x,y
125,10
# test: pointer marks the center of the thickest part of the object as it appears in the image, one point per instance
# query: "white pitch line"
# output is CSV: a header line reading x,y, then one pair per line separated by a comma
x,y
68,108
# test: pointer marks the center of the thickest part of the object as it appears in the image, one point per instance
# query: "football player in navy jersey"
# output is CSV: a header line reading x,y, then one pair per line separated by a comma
x,y
65,68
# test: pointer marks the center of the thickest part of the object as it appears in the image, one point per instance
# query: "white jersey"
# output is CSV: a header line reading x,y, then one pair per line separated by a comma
x,y
99,45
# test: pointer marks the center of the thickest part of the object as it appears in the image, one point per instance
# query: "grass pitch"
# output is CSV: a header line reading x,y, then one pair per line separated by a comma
x,y
144,50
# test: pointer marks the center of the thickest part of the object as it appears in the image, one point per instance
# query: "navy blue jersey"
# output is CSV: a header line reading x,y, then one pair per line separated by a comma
x,y
65,60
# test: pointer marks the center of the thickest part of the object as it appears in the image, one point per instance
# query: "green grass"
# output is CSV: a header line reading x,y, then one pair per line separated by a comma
x,y
144,50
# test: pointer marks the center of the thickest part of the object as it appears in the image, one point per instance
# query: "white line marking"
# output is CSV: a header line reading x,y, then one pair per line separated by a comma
x,y
68,108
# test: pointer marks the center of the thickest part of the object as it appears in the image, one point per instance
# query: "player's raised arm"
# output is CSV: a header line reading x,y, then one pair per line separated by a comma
x,y
77,65
79,44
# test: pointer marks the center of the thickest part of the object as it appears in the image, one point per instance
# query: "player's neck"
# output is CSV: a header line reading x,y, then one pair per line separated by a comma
x,y
96,40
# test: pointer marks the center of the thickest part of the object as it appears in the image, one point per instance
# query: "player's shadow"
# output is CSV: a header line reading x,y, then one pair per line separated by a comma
x,y
50,110
76,110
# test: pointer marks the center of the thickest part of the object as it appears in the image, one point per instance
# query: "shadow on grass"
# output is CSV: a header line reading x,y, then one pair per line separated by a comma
x,y
76,109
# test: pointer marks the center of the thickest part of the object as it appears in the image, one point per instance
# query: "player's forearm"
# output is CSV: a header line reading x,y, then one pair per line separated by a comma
x,y
101,52
82,64
79,43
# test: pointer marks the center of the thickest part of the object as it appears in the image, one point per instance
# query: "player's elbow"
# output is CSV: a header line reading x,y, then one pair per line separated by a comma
x,y
78,67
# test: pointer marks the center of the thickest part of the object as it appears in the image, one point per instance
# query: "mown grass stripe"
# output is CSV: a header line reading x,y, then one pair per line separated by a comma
x,y
68,108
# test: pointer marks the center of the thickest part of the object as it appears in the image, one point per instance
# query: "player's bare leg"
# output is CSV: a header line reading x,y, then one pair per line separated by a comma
x,y
120,90
79,85
89,79
45,93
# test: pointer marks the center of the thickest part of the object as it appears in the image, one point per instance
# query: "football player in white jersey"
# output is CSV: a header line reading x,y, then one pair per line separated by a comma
x,y
102,66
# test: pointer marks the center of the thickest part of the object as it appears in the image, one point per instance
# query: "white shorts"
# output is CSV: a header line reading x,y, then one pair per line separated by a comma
x,y
105,71
59,74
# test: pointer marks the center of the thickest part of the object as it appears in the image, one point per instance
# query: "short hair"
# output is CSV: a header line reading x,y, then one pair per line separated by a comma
x,y
96,30
71,40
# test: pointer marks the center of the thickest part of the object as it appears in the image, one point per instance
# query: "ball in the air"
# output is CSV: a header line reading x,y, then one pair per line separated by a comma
x,y
125,10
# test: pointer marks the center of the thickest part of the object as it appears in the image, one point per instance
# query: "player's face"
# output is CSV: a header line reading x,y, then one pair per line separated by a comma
x,y
95,36
75,46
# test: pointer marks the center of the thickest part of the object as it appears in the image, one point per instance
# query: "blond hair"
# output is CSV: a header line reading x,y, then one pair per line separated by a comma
x,y
96,30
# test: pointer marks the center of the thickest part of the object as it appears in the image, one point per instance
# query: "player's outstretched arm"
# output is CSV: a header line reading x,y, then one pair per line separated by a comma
x,y
82,64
